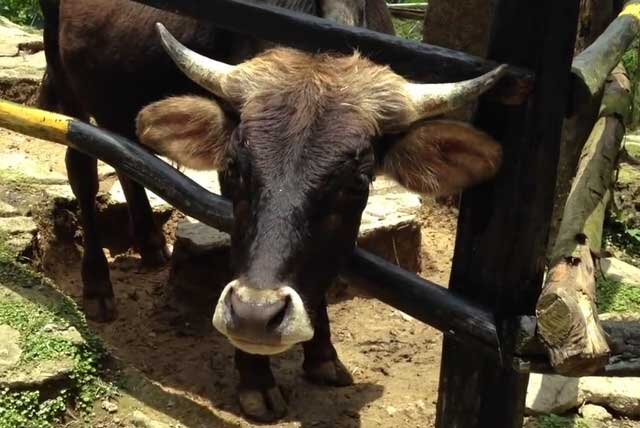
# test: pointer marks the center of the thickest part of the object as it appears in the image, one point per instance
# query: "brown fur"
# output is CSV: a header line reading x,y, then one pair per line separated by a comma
x,y
192,131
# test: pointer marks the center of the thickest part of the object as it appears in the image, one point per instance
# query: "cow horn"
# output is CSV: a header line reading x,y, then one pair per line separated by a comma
x,y
204,71
431,99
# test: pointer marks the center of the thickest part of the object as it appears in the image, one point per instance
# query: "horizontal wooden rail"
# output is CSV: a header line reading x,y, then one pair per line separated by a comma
x,y
417,61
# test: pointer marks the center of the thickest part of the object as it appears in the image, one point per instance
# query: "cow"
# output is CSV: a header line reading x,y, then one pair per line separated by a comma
x,y
296,138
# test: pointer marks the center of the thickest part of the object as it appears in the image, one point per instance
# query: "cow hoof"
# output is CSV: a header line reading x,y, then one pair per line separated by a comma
x,y
156,257
331,372
263,405
100,309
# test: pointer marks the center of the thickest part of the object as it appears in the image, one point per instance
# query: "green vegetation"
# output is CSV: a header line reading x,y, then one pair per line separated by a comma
x,y
554,421
24,12
615,296
28,409
408,29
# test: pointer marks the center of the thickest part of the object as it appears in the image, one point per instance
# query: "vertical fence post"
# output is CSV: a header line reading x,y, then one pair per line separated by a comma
x,y
502,231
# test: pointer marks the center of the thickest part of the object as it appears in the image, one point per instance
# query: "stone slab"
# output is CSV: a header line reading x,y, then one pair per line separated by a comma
x,y
37,375
620,271
7,210
18,166
10,351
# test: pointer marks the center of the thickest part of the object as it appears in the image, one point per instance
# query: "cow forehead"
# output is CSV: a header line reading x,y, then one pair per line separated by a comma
x,y
304,85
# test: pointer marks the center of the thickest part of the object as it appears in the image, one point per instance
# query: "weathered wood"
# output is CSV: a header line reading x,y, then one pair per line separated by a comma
x,y
567,317
622,335
503,225
594,64
413,60
595,16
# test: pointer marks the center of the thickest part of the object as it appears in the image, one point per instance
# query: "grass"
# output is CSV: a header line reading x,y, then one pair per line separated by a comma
x,y
615,296
554,421
29,409
408,28
24,12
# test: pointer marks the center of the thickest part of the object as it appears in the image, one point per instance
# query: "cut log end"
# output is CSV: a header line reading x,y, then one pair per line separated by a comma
x,y
568,322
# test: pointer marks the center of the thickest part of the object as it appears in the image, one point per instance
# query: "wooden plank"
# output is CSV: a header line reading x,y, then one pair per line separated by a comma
x,y
502,231
413,60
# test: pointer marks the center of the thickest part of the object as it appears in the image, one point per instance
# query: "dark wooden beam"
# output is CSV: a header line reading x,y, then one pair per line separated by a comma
x,y
413,60
500,249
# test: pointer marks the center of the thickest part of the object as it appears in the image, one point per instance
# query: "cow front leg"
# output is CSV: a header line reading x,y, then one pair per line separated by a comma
x,y
321,363
259,396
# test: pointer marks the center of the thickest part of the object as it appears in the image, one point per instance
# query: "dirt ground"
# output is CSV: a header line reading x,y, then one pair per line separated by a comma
x,y
394,359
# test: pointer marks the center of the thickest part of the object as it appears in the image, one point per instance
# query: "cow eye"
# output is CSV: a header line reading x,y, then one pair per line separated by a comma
x,y
360,183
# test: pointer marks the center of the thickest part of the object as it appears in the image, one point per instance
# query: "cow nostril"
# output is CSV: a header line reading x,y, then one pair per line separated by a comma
x,y
277,319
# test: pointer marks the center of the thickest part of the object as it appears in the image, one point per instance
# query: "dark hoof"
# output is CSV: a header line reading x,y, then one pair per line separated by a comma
x,y
331,372
263,405
156,257
100,309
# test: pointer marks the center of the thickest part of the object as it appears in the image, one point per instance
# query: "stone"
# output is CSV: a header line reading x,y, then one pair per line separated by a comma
x,y
198,238
552,394
38,374
620,394
16,165
7,210
20,232
140,419
18,225
596,413
620,271
69,334
10,350
109,406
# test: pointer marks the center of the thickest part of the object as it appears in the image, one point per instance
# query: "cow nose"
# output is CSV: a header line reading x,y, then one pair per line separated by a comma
x,y
262,320
257,317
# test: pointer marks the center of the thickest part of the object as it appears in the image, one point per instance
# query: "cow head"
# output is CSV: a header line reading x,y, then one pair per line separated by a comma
x,y
298,151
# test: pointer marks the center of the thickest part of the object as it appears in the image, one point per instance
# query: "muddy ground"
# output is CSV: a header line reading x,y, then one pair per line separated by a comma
x,y
394,359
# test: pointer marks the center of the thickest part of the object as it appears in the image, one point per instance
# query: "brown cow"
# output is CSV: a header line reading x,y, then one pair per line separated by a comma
x,y
297,139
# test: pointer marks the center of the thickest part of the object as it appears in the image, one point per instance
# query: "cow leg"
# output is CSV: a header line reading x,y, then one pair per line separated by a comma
x,y
259,396
147,237
97,292
321,363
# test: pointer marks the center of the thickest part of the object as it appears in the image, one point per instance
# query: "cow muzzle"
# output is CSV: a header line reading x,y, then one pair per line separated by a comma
x,y
262,321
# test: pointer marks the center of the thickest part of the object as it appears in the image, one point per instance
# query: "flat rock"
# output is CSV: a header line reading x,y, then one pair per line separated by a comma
x,y
557,394
69,334
18,225
7,210
620,394
18,166
595,412
620,271
10,351
37,375
13,34
141,420
552,394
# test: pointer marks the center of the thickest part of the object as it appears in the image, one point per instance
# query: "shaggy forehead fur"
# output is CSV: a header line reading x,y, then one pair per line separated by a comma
x,y
317,84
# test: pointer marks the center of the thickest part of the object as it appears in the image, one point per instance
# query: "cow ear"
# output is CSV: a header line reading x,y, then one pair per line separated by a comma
x,y
191,131
441,157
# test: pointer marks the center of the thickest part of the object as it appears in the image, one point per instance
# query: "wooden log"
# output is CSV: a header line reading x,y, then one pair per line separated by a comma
x,y
567,317
622,335
596,62
595,16
503,224
413,60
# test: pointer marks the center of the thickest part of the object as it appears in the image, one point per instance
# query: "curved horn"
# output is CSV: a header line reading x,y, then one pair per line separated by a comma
x,y
433,99
204,71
